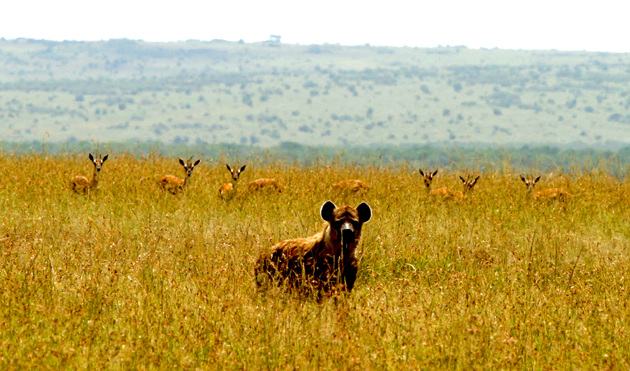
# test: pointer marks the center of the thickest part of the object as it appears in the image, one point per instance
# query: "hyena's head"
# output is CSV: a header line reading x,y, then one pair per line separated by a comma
x,y
427,177
345,224
189,165
235,173
98,161
469,183
530,182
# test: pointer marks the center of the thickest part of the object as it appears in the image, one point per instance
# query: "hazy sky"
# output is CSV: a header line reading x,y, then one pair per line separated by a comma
x,y
509,24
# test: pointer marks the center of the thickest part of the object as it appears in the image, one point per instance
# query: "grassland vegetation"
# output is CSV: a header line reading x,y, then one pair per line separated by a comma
x,y
265,94
132,276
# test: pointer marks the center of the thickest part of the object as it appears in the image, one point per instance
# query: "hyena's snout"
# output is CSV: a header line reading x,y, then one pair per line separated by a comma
x,y
347,234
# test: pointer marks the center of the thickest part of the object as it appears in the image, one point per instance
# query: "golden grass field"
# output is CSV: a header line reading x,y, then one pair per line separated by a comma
x,y
134,277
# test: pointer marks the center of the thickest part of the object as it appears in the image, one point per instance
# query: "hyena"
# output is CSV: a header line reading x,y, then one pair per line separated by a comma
x,y
81,184
323,262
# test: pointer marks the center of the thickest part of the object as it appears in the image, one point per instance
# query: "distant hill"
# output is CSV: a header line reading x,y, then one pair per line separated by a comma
x,y
268,93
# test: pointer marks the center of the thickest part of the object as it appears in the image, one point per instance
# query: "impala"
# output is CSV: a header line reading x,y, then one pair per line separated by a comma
x,y
550,193
447,193
427,178
264,184
82,184
228,189
174,184
351,185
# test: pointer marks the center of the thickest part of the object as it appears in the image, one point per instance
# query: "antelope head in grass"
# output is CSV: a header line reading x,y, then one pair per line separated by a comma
x,y
174,184
81,184
229,189
549,194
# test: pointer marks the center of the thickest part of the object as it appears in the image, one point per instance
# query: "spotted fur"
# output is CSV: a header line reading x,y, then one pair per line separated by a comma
x,y
323,262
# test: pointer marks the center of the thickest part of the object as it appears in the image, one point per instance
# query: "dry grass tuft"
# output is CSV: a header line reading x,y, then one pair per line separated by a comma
x,y
134,277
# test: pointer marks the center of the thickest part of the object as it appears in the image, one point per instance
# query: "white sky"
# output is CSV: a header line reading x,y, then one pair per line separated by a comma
x,y
509,24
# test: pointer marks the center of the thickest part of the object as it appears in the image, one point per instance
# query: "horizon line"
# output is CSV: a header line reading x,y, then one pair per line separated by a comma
x,y
278,42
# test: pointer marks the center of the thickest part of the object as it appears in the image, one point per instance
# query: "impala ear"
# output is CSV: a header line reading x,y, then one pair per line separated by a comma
x,y
463,180
523,179
197,162
104,159
435,172
421,173
91,157
243,168
537,179
182,162
327,211
228,167
365,212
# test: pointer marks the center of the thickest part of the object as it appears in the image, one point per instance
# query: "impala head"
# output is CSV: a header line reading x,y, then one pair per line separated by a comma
x,y
189,165
427,177
98,161
235,173
345,223
530,182
469,183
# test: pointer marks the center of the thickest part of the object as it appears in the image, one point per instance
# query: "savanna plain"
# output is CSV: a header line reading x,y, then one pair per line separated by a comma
x,y
131,276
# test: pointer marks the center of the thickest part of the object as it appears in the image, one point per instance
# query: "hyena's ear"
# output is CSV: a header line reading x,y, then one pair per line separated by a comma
x,y
104,159
197,162
242,169
91,157
182,162
365,212
327,211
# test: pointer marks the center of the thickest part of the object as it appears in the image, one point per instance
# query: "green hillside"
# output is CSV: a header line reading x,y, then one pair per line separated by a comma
x,y
268,93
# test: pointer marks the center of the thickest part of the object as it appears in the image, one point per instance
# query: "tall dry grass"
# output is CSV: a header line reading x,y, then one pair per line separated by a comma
x,y
134,277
